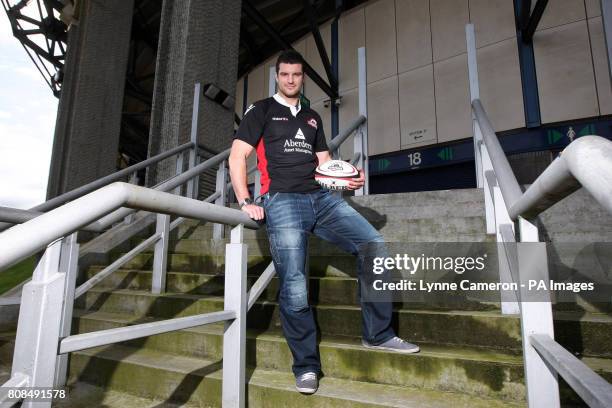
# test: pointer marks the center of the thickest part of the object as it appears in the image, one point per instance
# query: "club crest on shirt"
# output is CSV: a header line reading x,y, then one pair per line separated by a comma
x,y
312,122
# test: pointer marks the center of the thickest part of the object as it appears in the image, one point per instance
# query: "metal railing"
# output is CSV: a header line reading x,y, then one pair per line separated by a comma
x,y
46,307
586,162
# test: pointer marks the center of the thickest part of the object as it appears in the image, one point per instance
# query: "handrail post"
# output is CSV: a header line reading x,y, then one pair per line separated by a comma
x,y
69,261
509,301
360,140
132,180
192,186
219,229
490,217
234,336
38,329
196,181
470,39
160,257
481,154
536,318
179,169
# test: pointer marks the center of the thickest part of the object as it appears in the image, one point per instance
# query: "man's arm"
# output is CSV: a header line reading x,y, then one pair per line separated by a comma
x,y
323,156
238,173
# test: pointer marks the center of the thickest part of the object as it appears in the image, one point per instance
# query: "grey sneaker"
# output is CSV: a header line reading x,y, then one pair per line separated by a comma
x,y
394,344
307,383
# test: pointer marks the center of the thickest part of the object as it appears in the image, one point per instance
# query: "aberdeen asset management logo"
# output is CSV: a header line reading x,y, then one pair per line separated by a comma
x,y
299,134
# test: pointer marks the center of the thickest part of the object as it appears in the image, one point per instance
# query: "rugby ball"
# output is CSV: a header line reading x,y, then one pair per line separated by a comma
x,y
335,174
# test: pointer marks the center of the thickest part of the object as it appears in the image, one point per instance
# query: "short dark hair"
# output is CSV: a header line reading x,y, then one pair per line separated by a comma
x,y
290,57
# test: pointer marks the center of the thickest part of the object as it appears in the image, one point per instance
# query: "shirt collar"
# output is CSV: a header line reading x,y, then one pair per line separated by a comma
x,y
294,109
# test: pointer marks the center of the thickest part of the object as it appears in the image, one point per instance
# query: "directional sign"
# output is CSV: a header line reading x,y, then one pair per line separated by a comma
x,y
446,153
554,136
531,140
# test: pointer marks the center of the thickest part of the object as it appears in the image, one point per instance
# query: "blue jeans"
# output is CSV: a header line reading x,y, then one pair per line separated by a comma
x,y
290,218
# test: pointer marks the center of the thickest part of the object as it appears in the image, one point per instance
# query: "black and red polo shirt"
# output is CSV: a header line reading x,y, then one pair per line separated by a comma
x,y
286,139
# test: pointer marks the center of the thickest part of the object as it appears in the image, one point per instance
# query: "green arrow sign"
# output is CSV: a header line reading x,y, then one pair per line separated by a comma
x,y
554,136
587,130
383,164
446,153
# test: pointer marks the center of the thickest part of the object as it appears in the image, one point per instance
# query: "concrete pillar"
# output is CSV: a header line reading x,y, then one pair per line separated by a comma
x,y
86,141
198,42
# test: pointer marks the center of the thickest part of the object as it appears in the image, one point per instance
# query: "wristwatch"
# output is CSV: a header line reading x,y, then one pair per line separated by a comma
x,y
246,201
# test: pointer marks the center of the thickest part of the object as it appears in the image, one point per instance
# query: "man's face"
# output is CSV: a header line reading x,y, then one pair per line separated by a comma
x,y
289,79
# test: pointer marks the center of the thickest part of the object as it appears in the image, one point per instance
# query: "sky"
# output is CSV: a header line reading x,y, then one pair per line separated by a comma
x,y
27,123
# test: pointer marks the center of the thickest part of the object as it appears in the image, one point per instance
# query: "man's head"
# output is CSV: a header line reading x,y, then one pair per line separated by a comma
x,y
290,73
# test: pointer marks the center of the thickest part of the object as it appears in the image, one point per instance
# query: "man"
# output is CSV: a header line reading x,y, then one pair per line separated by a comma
x,y
290,142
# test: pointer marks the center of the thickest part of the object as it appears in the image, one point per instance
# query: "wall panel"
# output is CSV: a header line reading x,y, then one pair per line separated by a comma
x,y
448,18
566,81
493,21
380,40
417,108
454,120
383,116
413,34
560,12
500,84
351,36
600,59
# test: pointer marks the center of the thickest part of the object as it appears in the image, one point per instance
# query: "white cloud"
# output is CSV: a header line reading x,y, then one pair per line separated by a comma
x,y
27,123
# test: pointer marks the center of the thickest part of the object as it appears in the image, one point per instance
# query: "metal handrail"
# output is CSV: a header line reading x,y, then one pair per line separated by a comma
x,y
46,311
335,143
592,388
103,181
586,162
168,185
505,176
26,239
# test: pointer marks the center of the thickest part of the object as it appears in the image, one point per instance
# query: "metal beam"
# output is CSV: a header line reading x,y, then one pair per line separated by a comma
x,y
523,17
316,34
534,20
254,15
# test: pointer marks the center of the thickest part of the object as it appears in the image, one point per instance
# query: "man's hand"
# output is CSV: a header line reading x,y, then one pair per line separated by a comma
x,y
357,183
255,212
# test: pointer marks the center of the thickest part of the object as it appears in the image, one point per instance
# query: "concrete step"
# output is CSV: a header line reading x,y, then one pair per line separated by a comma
x,y
440,229
474,371
316,246
577,218
462,328
182,379
322,289
342,266
7,345
5,373
84,395
584,334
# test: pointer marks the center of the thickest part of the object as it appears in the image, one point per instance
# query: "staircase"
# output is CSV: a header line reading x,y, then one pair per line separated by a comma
x,y
471,354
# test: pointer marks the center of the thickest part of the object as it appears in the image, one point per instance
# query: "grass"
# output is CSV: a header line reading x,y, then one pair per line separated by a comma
x,y
16,274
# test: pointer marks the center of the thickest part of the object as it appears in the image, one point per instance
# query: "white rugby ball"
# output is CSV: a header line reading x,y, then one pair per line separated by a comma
x,y
335,174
